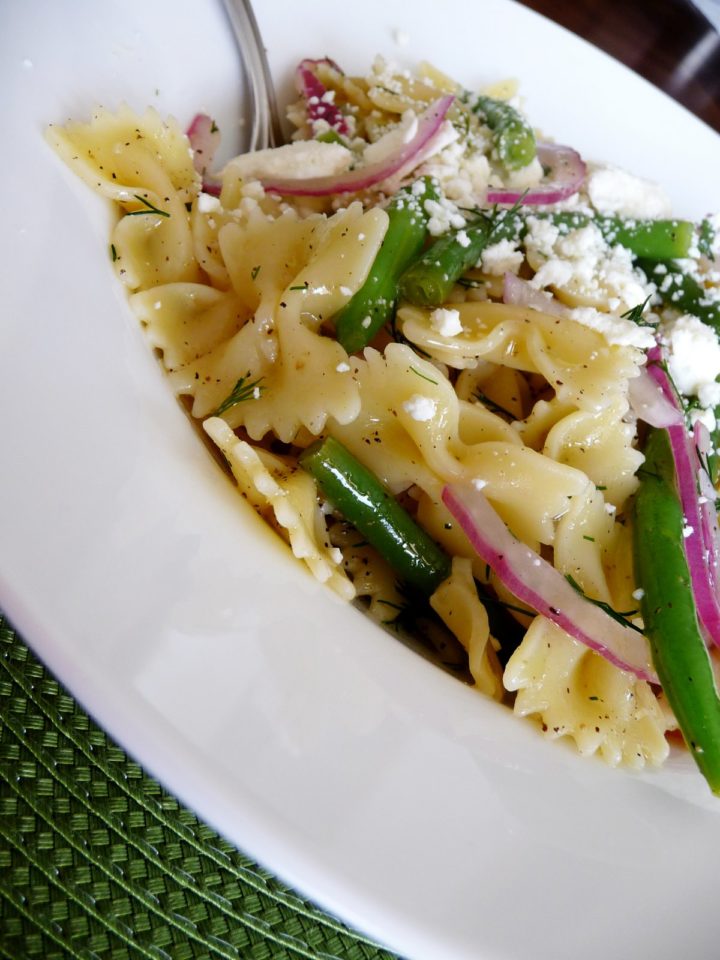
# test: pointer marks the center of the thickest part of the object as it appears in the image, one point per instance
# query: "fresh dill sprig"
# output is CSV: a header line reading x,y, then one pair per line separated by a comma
x,y
492,406
422,375
241,391
617,615
635,314
151,208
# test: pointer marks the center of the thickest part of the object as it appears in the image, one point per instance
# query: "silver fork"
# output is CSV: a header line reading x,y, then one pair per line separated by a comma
x,y
262,128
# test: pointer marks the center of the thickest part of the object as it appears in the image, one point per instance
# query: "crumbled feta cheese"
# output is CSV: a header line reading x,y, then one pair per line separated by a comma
x,y
582,263
614,191
479,484
501,257
616,330
693,358
688,531
525,177
343,367
365,322
463,174
638,594
446,322
208,204
420,407
443,216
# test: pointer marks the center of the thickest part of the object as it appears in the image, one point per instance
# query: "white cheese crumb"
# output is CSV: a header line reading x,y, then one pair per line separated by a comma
x,y
446,322
638,594
501,257
343,367
208,204
479,484
420,407
615,191
693,358
616,330
688,531
365,322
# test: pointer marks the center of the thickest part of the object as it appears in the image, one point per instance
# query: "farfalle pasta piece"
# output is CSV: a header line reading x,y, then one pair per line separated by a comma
x,y
267,480
574,692
576,361
456,602
408,433
602,445
305,375
187,320
144,164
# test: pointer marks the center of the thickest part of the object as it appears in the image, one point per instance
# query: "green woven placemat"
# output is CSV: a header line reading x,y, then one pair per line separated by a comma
x,y
98,861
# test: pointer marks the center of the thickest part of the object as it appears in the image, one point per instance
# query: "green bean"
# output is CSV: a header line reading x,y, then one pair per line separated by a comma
x,y
374,304
707,239
365,503
513,136
428,281
682,291
668,609
651,239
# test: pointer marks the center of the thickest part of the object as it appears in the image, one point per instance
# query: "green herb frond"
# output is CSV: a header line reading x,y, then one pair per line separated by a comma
x,y
150,208
617,615
241,391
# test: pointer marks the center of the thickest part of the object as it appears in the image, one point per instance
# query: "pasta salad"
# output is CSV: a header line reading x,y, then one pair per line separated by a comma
x,y
469,376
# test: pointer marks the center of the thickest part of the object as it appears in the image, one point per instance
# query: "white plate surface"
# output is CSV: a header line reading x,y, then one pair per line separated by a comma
x,y
383,788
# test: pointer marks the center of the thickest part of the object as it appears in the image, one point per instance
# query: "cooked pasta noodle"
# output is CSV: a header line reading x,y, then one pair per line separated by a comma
x,y
528,400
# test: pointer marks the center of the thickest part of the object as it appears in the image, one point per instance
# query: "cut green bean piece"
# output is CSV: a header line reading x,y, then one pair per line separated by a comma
x,y
707,239
365,503
668,609
650,239
513,136
682,291
373,306
429,280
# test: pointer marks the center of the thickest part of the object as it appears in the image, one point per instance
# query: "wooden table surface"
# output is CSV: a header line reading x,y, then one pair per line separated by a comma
x,y
669,42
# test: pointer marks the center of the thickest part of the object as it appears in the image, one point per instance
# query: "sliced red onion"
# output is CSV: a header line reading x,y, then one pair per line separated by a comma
x,y
369,174
538,584
650,404
708,506
687,473
204,137
521,293
566,174
319,105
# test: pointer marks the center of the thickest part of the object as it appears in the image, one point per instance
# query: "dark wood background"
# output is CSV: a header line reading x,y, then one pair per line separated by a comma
x,y
669,42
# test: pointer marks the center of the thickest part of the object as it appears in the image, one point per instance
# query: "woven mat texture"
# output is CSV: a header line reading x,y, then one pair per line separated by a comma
x,y
98,861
